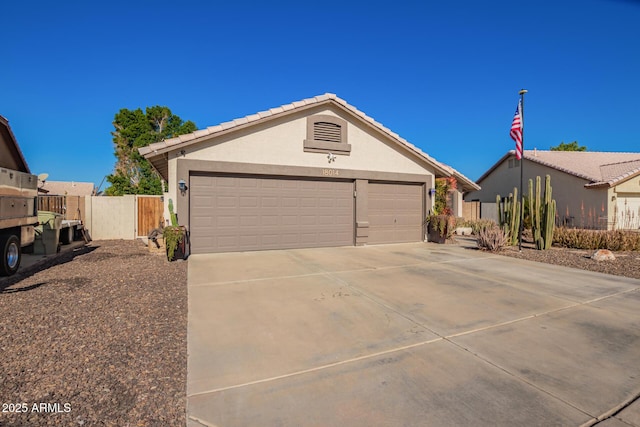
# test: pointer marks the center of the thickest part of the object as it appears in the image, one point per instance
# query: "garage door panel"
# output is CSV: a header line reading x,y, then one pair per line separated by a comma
x,y
269,213
628,211
395,213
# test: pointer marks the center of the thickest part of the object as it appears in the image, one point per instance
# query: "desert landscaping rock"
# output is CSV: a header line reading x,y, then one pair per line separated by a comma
x,y
603,255
98,336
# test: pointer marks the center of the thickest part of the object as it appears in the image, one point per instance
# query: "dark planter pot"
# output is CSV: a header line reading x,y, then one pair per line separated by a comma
x,y
182,250
435,236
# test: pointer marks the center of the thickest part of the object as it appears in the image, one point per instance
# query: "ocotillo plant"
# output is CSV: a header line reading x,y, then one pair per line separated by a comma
x,y
509,215
543,215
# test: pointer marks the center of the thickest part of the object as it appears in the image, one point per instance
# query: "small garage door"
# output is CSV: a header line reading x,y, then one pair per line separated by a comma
x,y
395,213
243,213
628,205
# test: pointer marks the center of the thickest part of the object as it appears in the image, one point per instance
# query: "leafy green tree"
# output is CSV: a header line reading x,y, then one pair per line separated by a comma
x,y
569,146
133,174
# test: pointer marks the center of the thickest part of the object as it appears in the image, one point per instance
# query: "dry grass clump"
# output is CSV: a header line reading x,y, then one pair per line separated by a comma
x,y
478,225
614,240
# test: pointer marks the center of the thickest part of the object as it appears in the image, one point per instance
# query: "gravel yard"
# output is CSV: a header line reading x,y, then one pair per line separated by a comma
x,y
100,336
626,263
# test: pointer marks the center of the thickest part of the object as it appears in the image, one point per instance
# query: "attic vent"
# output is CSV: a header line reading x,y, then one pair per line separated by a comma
x,y
325,131
326,134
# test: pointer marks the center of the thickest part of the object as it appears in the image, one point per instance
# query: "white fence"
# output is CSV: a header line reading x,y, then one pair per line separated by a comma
x,y
115,217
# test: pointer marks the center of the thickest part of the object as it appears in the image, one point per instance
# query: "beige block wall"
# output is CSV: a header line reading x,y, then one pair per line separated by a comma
x,y
111,217
588,207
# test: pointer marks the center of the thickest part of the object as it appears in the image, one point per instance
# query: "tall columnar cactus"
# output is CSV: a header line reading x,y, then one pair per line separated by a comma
x,y
543,215
174,218
548,214
509,215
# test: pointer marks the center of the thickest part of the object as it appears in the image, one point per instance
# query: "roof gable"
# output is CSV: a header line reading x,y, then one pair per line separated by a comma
x,y
10,154
157,152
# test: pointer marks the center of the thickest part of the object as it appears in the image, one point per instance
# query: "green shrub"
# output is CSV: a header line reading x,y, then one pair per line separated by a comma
x,y
492,238
614,240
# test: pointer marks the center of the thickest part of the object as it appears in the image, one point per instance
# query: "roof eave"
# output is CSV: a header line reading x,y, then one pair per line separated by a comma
x,y
183,141
16,146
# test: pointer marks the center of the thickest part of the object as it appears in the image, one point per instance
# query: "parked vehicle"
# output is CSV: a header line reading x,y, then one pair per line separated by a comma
x,y
18,201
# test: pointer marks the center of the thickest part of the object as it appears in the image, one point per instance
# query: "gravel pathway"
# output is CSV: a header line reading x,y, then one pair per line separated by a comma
x,y
97,339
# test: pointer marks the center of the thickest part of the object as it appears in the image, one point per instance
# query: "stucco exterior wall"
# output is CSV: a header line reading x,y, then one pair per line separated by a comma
x,y
281,142
579,206
630,186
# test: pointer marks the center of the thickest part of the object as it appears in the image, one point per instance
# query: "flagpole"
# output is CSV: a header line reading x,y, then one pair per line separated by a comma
x,y
521,93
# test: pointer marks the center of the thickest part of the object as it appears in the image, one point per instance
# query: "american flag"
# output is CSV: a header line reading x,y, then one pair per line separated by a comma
x,y
516,131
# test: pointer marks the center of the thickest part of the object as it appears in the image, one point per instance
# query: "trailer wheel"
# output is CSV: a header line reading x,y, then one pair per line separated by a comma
x,y
10,246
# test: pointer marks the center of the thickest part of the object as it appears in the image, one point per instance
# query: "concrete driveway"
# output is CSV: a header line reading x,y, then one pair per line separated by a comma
x,y
408,335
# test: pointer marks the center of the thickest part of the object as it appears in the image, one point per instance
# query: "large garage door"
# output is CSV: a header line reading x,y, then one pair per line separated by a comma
x,y
628,211
395,213
240,213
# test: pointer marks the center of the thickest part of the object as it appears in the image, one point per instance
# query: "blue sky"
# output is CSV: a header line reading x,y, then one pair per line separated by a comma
x,y
443,75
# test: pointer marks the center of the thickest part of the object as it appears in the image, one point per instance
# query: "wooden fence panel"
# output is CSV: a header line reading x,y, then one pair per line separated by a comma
x,y
51,203
75,207
150,214
70,207
471,210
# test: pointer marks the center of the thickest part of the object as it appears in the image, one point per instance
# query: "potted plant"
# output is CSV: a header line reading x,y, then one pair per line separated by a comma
x,y
440,227
175,240
441,223
175,237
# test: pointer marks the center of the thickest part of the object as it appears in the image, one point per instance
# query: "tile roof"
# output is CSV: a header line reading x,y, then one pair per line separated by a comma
x,y
599,168
183,140
63,188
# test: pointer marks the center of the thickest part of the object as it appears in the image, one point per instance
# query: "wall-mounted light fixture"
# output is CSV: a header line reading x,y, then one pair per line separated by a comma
x,y
182,186
432,192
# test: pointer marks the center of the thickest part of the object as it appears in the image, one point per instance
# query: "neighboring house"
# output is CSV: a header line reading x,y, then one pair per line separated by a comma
x,y
64,188
591,189
313,173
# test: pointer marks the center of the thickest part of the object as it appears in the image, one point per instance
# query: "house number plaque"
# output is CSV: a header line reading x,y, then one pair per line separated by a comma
x,y
330,172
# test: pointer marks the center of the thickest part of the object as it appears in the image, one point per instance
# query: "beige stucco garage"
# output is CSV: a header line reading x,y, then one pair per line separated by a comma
x,y
313,173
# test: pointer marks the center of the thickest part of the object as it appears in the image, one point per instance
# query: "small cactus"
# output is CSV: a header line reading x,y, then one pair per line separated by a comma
x,y
509,215
174,218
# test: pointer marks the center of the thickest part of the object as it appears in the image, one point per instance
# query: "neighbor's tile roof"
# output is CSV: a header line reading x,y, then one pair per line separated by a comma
x,y
183,140
601,168
63,188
